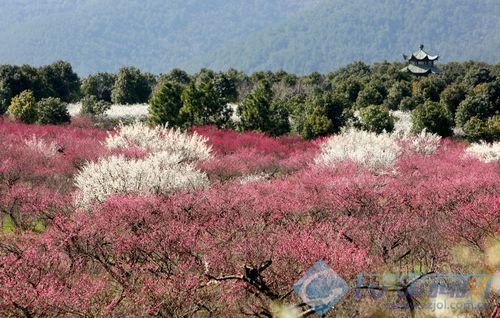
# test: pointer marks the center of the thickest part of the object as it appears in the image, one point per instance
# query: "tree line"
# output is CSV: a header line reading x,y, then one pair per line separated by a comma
x,y
464,95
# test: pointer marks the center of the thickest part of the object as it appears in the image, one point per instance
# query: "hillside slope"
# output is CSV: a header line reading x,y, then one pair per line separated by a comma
x,y
296,35
154,35
338,32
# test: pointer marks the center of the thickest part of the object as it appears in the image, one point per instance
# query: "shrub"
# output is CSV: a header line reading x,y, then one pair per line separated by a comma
x,y
485,152
23,107
376,118
375,151
91,105
433,117
483,130
478,106
317,124
423,143
52,111
410,103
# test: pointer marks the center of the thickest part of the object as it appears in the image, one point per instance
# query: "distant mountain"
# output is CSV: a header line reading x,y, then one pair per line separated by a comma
x,y
338,32
154,35
296,35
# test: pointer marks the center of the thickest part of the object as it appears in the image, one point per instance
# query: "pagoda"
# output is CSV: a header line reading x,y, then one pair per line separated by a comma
x,y
421,63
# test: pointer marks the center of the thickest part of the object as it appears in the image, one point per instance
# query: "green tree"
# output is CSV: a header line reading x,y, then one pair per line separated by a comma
x,y
452,96
279,118
131,87
165,104
93,106
15,79
317,124
59,80
5,97
476,76
53,111
176,75
335,105
23,107
349,88
99,85
478,106
410,102
483,130
203,104
255,110
430,87
433,117
397,92
376,118
370,95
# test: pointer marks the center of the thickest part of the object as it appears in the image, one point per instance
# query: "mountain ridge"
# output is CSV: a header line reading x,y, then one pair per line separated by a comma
x,y
297,36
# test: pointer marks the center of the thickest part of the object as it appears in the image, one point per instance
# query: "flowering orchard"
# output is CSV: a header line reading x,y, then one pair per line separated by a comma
x,y
155,222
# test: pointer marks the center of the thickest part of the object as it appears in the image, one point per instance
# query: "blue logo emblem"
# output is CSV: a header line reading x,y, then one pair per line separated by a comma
x,y
321,287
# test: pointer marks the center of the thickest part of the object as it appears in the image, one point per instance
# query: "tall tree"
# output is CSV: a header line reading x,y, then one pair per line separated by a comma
x,y
255,110
205,101
131,87
165,104
60,81
99,85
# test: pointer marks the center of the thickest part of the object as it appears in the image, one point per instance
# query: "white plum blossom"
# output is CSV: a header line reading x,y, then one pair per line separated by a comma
x,y
249,178
403,122
74,109
485,152
190,146
41,146
159,173
423,143
375,151
169,165
116,111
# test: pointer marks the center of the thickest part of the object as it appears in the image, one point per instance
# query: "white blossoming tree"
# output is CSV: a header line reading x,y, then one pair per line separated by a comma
x,y
375,151
169,165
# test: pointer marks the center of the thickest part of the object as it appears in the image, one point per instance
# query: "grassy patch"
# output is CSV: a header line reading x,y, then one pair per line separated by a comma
x,y
38,226
8,225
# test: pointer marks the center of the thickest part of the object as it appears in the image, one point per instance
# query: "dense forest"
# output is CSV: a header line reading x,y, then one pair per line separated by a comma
x,y
465,96
297,36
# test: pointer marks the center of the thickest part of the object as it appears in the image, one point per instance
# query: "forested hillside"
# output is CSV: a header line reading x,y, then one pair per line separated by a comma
x,y
298,36
338,32
154,35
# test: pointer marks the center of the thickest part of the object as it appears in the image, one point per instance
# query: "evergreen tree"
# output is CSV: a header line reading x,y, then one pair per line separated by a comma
x,y
131,87
165,104
433,117
376,118
99,85
255,111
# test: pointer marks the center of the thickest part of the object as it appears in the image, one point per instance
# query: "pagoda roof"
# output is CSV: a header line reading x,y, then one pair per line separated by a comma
x,y
421,55
421,69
